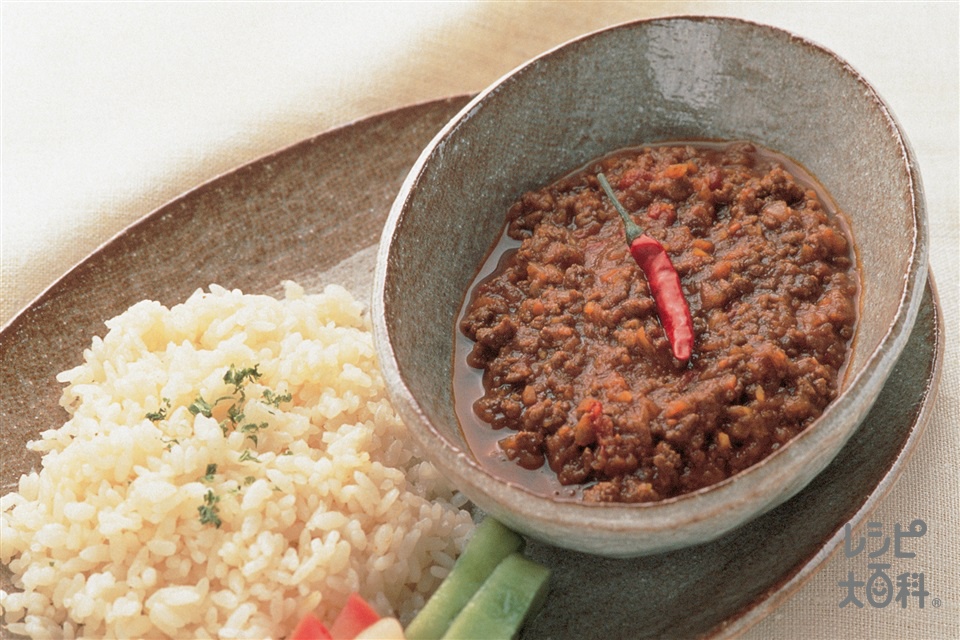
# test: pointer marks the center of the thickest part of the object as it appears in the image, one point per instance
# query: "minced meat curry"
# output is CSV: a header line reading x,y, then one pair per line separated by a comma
x,y
578,375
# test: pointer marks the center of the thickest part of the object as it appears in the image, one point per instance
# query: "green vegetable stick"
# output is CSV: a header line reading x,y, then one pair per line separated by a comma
x,y
490,543
514,591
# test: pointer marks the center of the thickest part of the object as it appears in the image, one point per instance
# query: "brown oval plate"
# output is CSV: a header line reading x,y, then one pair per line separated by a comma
x,y
313,212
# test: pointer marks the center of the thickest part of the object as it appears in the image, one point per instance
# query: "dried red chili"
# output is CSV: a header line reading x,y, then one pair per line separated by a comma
x,y
672,307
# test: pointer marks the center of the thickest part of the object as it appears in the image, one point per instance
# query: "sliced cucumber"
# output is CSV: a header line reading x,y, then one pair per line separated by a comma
x,y
514,591
490,543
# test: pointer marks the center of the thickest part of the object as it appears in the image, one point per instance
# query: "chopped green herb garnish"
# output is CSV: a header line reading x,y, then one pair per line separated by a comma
x,y
249,480
251,430
237,377
274,399
211,472
235,413
248,455
161,413
209,509
201,406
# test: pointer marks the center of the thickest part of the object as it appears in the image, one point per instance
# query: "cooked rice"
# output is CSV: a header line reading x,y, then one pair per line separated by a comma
x,y
107,540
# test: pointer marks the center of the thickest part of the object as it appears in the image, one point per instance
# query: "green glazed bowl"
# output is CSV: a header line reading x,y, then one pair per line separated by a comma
x,y
656,80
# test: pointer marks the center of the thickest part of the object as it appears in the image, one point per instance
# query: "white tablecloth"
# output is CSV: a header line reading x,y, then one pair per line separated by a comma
x,y
109,110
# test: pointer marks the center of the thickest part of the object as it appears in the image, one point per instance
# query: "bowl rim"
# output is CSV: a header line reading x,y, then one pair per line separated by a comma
x,y
714,499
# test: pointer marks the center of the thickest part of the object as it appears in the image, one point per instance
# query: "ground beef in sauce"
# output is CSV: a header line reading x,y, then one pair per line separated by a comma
x,y
577,368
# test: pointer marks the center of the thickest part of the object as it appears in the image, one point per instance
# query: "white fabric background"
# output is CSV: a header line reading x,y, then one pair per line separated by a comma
x,y
109,110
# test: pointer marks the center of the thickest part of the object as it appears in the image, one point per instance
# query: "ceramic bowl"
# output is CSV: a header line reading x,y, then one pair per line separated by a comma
x,y
667,79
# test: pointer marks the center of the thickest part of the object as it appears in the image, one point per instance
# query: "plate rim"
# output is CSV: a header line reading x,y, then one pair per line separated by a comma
x,y
212,180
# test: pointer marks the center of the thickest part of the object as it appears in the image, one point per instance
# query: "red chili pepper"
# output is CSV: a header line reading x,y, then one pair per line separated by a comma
x,y
663,280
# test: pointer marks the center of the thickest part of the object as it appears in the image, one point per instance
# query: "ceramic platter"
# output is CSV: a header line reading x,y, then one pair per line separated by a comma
x,y
313,213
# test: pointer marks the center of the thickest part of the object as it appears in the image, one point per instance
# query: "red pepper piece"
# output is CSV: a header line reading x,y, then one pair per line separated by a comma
x,y
596,410
628,178
589,425
672,307
310,628
355,616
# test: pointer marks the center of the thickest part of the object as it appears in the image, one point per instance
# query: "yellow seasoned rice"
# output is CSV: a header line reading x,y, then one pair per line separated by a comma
x,y
109,539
